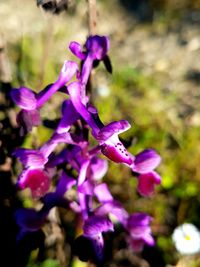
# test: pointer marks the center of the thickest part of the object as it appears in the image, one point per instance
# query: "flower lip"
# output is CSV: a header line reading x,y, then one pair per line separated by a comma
x,y
37,180
116,152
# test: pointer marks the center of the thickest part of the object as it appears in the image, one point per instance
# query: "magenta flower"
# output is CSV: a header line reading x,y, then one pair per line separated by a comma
x,y
107,136
144,164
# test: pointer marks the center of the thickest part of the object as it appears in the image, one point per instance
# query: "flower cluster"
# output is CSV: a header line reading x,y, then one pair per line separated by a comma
x,y
87,164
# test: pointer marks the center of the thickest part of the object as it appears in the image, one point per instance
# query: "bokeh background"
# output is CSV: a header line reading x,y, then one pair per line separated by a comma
x,y
155,85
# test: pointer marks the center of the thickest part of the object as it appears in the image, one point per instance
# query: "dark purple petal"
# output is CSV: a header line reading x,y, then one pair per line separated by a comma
x,y
64,184
76,49
98,46
29,219
146,161
24,98
30,158
98,168
27,119
113,128
138,219
69,116
36,180
97,224
102,193
147,182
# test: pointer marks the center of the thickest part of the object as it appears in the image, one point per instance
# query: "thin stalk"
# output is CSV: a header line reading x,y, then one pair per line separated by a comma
x,y
92,16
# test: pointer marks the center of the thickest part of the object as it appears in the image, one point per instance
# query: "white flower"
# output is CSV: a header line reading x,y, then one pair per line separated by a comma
x,y
186,238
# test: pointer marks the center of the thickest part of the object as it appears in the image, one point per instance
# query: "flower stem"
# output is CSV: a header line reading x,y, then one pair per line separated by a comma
x,y
92,16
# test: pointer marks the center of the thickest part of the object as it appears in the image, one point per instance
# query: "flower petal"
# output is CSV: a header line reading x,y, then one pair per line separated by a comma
x,y
68,70
146,161
30,158
24,98
115,151
26,119
97,224
69,116
114,208
36,180
98,46
113,128
98,168
102,193
147,182
76,49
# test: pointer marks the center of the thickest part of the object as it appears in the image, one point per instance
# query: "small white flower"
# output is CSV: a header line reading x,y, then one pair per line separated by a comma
x,y
186,238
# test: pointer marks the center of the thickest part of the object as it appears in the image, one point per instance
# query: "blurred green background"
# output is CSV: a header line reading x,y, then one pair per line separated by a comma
x,y
155,52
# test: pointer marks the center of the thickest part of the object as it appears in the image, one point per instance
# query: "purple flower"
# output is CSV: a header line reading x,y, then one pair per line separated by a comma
x,y
96,49
144,164
107,135
30,102
138,226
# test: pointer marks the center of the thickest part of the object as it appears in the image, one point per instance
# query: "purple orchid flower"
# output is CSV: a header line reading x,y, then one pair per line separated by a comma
x,y
30,220
96,49
107,135
37,173
30,102
144,164
138,226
